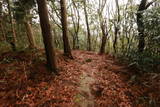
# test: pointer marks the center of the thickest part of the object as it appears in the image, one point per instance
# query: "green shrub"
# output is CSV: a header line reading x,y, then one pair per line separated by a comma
x,y
145,62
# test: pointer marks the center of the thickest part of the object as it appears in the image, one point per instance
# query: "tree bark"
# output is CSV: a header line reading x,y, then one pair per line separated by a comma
x,y
140,25
1,8
66,45
103,25
1,25
47,35
30,35
115,39
2,31
143,6
76,25
12,40
104,38
116,27
88,28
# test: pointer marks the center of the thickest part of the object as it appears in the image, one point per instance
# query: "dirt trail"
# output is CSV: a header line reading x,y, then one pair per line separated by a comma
x,y
96,82
85,97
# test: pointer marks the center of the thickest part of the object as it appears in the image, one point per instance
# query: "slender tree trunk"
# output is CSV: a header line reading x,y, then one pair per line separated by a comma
x,y
103,45
103,25
115,40
104,38
76,25
13,39
73,34
116,27
143,6
1,8
140,25
30,35
74,41
55,37
1,25
67,49
47,35
88,28
2,31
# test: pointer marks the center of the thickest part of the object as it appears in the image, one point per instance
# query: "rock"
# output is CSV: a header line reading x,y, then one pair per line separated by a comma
x,y
97,90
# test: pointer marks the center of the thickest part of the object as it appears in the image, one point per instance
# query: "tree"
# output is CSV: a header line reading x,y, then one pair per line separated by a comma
x,y
152,40
143,6
1,25
66,46
104,38
1,8
103,25
88,28
30,36
12,40
23,15
47,35
116,27
75,15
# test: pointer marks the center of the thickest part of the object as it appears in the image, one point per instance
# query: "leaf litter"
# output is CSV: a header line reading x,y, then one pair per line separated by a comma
x,y
90,80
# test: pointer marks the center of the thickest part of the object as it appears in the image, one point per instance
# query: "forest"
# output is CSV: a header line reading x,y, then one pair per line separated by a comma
x,y
79,53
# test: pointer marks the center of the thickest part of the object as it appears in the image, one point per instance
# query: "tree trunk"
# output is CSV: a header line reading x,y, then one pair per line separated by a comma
x,y
88,28
103,25
67,49
47,35
116,27
2,31
55,37
104,38
12,40
143,6
1,8
76,25
103,45
1,25
30,35
115,39
74,41
140,25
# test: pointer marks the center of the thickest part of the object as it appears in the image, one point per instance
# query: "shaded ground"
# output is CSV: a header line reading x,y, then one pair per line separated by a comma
x,y
90,80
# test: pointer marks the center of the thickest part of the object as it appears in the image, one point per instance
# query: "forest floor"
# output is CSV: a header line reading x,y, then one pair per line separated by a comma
x,y
90,80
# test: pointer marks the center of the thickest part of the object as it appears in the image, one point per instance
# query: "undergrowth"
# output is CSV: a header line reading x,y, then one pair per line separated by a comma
x,y
144,62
